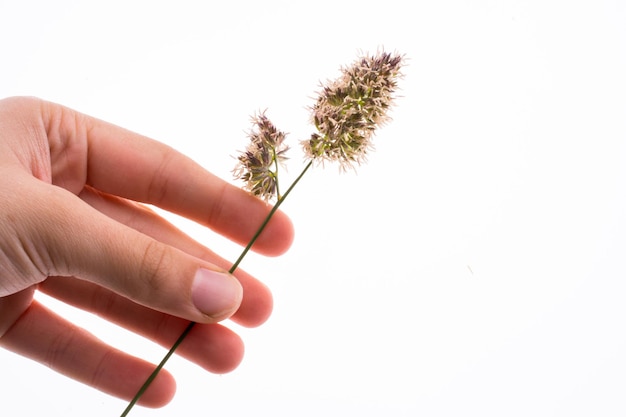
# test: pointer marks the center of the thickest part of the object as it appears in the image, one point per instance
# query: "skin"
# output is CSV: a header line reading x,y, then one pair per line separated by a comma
x,y
73,224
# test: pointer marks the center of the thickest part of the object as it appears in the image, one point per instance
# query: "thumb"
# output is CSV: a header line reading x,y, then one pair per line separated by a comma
x,y
77,240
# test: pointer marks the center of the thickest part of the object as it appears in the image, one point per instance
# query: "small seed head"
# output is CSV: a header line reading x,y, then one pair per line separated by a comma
x,y
257,165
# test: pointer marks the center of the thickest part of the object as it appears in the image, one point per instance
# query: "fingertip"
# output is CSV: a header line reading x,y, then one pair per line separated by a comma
x,y
278,237
160,392
231,361
214,347
257,306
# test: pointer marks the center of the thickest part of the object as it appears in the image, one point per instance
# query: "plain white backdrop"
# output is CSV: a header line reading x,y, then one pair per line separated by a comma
x,y
474,267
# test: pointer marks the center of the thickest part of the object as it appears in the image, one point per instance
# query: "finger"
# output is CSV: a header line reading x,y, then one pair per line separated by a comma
x,y
211,346
71,238
256,305
12,307
43,336
123,163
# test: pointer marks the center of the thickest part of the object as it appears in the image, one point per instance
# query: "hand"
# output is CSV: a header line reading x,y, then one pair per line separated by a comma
x,y
72,225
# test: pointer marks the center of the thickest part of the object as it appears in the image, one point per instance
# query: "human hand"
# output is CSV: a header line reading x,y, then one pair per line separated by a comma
x,y
72,226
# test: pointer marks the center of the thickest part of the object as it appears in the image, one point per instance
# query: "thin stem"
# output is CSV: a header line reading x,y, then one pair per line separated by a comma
x,y
268,217
232,269
275,174
156,371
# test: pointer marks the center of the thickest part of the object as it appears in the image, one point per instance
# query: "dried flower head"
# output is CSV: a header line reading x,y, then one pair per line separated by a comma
x,y
349,109
258,164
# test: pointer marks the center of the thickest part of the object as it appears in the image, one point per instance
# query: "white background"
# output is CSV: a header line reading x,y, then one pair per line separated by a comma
x,y
474,267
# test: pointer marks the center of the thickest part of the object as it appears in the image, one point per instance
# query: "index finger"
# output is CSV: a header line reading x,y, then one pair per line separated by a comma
x,y
129,165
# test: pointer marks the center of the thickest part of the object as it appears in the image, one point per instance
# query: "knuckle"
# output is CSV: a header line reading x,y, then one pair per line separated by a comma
x,y
155,263
25,254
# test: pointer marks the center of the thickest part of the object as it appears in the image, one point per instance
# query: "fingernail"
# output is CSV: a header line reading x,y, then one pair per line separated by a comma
x,y
216,294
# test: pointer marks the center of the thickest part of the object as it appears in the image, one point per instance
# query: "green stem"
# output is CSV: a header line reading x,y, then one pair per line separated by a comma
x,y
156,371
268,217
232,269
275,174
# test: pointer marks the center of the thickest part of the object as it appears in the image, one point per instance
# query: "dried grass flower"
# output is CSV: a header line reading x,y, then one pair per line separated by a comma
x,y
349,109
258,165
